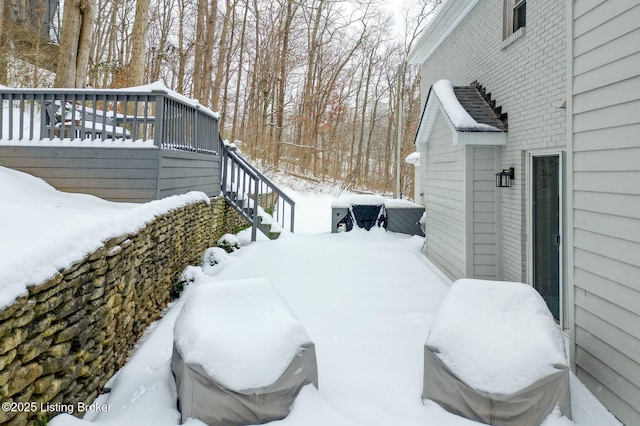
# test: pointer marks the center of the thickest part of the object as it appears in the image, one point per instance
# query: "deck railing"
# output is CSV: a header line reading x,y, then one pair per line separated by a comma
x,y
246,188
170,120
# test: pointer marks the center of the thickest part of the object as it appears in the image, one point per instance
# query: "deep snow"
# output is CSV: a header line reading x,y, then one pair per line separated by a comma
x,y
366,299
44,230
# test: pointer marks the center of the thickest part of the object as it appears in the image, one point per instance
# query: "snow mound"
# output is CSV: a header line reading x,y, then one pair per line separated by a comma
x,y
347,201
229,242
241,332
211,257
43,230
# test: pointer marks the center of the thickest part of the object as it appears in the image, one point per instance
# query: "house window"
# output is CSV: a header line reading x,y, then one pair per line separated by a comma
x,y
515,16
519,14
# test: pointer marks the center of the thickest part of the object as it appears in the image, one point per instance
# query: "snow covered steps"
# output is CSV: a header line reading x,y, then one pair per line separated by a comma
x,y
245,206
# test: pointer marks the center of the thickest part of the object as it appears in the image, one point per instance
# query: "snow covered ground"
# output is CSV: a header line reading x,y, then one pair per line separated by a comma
x,y
366,299
43,230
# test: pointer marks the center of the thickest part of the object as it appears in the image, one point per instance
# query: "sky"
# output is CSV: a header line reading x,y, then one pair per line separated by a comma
x,y
366,299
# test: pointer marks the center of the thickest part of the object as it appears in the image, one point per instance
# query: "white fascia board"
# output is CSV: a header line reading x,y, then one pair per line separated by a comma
x,y
428,119
446,20
480,138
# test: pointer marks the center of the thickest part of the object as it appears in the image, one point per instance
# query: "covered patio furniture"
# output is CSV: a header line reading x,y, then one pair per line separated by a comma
x,y
495,355
240,355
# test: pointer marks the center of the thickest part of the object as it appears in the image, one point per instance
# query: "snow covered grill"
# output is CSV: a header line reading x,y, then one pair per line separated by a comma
x,y
240,355
495,355
368,211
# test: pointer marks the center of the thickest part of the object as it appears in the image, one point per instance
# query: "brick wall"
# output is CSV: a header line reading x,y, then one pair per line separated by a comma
x,y
62,342
526,76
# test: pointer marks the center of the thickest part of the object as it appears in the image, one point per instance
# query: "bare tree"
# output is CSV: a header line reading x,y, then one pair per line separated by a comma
x,y
3,53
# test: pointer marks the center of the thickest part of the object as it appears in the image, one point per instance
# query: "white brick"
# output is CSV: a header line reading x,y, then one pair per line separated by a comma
x,y
526,78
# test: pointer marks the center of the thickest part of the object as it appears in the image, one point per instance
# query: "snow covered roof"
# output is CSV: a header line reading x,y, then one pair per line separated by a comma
x,y
471,120
413,158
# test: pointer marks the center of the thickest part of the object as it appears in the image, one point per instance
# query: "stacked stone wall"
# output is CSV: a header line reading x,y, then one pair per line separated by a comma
x,y
60,343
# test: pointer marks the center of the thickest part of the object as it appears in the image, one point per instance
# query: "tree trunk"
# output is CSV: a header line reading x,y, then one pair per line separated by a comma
x,y
87,28
222,55
198,59
208,52
3,53
234,126
69,39
182,54
282,81
135,69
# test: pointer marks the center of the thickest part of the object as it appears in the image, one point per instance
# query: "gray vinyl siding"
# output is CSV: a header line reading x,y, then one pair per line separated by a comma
x,y
117,174
404,220
606,201
484,250
445,201
182,172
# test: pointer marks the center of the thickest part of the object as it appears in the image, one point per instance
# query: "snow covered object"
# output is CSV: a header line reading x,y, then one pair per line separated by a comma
x,y
240,356
495,355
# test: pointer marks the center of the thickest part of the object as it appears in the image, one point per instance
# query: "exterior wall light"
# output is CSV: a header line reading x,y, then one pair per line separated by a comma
x,y
504,178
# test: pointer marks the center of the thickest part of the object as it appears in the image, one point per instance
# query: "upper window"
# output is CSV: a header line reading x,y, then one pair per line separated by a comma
x,y
515,16
519,14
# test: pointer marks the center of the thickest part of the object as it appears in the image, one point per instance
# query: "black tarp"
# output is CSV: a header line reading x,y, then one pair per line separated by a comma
x,y
366,216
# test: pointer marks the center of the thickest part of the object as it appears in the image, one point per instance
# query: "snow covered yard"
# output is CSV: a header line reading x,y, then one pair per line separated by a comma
x,y
366,299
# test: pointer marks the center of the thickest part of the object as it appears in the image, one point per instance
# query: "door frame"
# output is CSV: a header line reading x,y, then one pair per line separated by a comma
x,y
562,193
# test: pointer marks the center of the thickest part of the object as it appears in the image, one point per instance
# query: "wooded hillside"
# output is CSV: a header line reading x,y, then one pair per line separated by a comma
x,y
313,87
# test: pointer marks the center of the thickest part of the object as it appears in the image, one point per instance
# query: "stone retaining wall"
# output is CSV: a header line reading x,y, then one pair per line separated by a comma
x,y
62,342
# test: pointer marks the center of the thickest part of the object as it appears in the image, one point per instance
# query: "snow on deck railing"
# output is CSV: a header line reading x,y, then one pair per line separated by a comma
x,y
145,113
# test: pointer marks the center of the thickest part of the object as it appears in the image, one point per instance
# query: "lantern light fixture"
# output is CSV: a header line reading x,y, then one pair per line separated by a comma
x,y
504,178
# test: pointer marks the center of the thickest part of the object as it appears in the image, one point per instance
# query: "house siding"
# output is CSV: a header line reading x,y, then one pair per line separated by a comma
x,y
134,175
527,77
605,221
116,174
445,201
485,235
182,172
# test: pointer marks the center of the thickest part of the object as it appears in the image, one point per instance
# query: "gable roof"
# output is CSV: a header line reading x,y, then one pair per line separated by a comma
x,y
471,119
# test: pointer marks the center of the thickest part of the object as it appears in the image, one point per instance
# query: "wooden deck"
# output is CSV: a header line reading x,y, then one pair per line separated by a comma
x,y
133,145
129,145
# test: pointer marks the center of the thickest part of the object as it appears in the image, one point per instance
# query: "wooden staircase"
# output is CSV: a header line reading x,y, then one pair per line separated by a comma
x,y
254,196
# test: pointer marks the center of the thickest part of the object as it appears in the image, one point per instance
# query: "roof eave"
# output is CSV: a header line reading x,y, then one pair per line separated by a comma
x,y
446,20
461,136
480,138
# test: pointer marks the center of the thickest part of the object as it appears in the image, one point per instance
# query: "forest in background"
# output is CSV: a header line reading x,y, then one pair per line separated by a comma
x,y
315,88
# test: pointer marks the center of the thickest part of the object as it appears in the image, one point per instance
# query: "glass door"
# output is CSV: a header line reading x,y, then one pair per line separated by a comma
x,y
545,204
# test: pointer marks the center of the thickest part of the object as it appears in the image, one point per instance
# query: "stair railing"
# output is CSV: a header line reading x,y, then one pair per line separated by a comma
x,y
248,190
